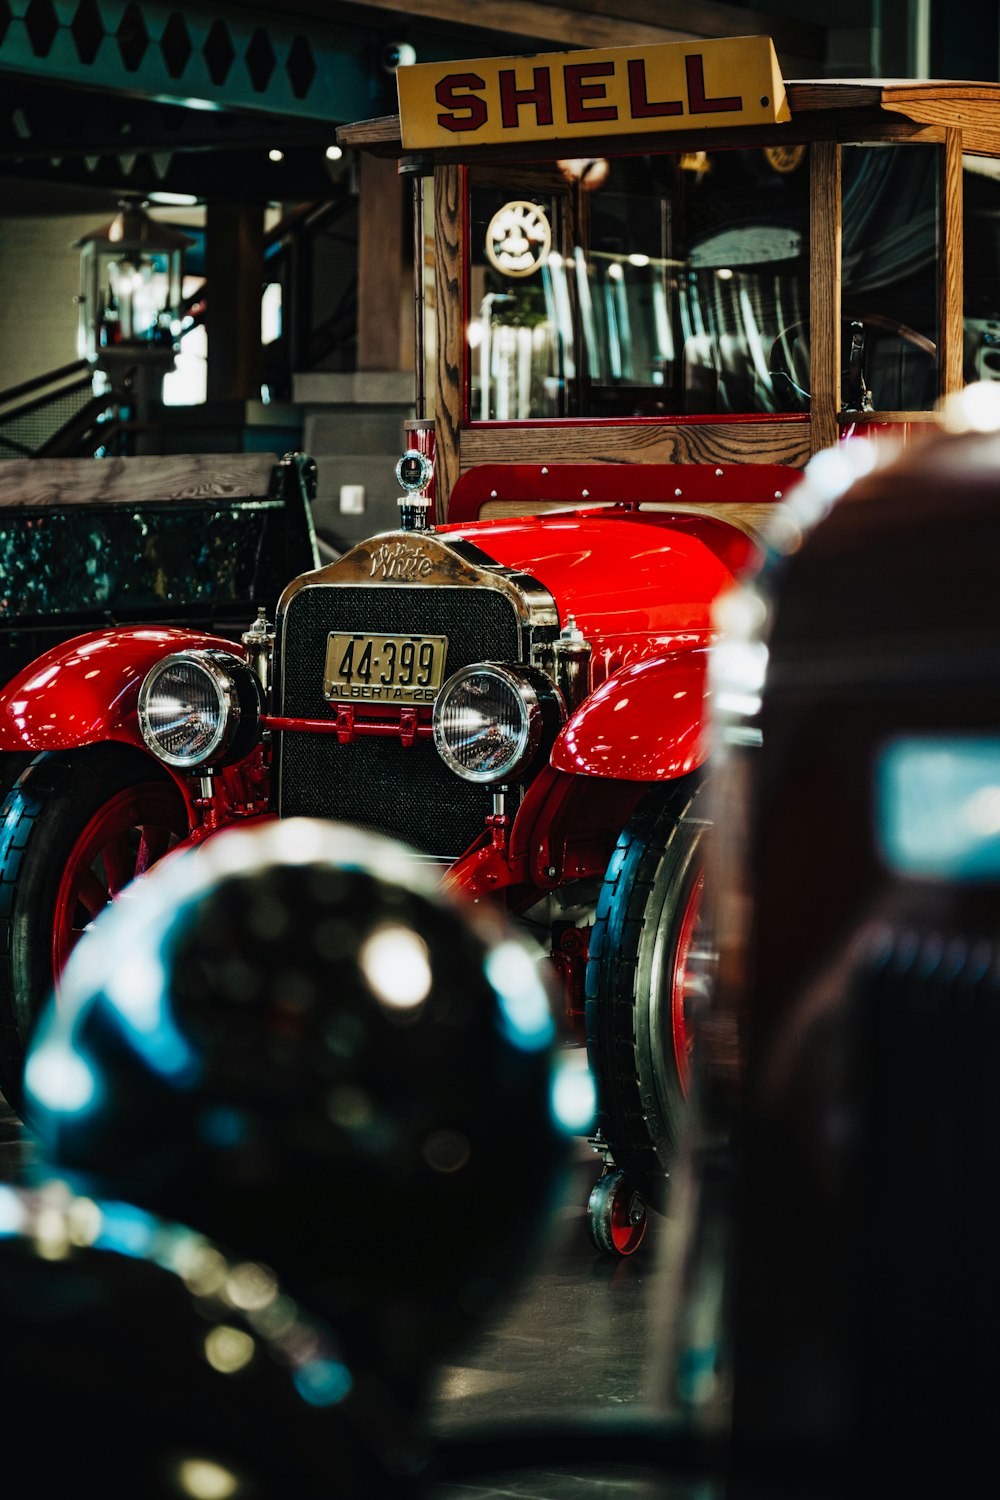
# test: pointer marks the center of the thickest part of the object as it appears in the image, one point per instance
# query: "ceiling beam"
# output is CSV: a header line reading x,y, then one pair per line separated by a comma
x,y
606,23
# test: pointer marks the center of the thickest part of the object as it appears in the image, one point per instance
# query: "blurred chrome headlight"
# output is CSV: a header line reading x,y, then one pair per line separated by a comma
x,y
492,722
199,708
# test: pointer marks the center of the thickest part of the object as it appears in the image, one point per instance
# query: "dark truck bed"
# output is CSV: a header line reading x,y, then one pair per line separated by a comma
x,y
197,540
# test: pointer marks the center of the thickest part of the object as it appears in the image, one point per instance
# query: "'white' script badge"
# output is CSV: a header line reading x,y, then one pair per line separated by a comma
x,y
397,560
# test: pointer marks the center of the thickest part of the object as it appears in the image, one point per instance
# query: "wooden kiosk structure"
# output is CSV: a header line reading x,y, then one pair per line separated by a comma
x,y
511,120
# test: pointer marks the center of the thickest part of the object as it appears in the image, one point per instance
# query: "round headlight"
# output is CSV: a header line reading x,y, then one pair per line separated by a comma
x,y
198,708
491,721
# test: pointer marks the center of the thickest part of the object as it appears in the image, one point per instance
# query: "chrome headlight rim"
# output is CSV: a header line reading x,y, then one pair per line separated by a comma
x,y
542,713
238,696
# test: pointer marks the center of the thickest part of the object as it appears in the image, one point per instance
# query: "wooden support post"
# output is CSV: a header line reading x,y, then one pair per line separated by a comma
x,y
951,353
385,278
234,268
824,292
449,296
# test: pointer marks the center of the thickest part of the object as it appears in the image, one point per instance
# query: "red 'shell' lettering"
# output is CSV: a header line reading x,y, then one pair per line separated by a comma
x,y
642,107
583,87
578,91
698,102
451,93
511,97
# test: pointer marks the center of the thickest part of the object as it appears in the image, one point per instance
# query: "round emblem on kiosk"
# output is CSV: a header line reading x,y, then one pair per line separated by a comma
x,y
414,471
518,239
784,159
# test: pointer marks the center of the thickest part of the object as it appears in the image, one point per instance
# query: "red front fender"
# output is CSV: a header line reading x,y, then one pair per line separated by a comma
x,y
86,690
645,723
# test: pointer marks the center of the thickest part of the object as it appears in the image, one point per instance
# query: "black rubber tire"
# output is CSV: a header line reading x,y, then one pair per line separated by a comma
x,y
637,927
41,821
12,763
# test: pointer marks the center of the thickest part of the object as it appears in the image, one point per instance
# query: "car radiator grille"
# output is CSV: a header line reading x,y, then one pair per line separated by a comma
x,y
376,783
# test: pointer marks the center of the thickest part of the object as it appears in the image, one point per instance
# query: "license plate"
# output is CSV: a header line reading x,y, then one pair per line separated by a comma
x,y
384,668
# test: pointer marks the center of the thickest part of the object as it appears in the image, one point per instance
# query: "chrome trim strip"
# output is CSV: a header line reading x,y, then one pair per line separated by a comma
x,y
424,560
539,603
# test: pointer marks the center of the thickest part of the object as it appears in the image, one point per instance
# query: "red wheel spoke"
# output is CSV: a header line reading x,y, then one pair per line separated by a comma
x,y
152,846
91,894
119,862
123,838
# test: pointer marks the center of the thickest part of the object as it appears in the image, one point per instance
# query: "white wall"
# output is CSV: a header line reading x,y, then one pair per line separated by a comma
x,y
39,279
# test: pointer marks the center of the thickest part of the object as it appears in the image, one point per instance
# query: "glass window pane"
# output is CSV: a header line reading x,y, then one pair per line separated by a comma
x,y
890,282
981,203
640,287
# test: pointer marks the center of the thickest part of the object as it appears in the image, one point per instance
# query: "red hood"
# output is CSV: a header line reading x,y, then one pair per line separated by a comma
x,y
637,582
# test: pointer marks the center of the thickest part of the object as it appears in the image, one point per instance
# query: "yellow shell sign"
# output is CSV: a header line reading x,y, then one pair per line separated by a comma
x,y
602,92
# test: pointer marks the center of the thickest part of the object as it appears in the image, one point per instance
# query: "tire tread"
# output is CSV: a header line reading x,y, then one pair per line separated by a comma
x,y
612,983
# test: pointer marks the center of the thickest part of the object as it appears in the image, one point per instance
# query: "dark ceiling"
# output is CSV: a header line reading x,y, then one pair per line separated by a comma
x,y
190,98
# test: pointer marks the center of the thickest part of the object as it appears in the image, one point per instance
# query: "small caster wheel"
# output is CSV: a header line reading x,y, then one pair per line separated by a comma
x,y
616,1215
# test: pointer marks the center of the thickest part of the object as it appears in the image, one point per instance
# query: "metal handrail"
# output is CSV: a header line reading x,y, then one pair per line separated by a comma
x,y
38,382
30,406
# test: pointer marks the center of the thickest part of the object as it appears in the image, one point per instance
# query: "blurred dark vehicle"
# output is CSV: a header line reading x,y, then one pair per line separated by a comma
x,y
849,1119
199,541
141,1360
292,1041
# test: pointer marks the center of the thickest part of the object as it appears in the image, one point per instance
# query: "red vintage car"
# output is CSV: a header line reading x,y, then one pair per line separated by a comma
x,y
646,265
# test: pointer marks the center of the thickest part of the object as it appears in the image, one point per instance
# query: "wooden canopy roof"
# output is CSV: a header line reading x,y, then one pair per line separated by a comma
x,y
825,108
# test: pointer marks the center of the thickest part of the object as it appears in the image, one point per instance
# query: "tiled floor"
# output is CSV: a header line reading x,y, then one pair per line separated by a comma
x,y
575,1346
